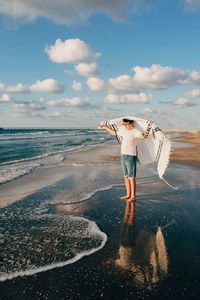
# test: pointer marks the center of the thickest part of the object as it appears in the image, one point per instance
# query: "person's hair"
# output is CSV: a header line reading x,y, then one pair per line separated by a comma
x,y
128,121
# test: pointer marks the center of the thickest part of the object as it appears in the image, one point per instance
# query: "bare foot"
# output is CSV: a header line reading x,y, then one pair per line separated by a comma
x,y
124,197
131,199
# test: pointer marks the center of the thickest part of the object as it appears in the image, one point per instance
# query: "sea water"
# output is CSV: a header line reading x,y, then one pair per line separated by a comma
x,y
23,150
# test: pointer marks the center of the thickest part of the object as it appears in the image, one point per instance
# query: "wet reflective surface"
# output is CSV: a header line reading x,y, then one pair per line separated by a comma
x,y
152,249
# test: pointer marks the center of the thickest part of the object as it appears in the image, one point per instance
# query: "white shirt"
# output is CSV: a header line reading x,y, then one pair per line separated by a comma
x,y
129,141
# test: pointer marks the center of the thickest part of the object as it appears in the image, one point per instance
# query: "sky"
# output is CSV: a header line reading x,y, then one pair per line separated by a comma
x,y
70,63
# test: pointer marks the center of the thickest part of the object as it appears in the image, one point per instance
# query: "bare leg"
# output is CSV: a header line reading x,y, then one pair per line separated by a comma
x,y
133,189
128,188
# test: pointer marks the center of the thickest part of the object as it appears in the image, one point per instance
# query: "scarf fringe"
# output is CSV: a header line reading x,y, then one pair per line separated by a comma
x,y
173,187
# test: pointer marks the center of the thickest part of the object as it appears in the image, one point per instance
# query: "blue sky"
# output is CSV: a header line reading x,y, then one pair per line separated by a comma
x,y
74,63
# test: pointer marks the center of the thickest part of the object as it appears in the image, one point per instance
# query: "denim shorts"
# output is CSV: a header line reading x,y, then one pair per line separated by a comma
x,y
129,163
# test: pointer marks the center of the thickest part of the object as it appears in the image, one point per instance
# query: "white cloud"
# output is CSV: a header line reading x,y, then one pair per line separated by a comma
x,y
122,83
48,85
2,86
71,51
64,11
194,93
55,115
77,86
128,98
148,110
157,77
18,88
76,102
194,77
96,84
5,98
182,102
87,69
28,108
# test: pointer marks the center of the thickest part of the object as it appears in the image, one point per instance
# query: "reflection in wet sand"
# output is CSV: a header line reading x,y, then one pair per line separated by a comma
x,y
142,256
71,209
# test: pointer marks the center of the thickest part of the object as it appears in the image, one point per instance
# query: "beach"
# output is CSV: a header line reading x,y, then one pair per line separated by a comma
x,y
67,235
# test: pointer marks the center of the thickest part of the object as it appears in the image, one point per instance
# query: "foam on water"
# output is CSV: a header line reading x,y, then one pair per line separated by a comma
x,y
23,168
36,244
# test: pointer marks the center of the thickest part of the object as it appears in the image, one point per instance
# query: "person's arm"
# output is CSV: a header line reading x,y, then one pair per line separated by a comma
x,y
110,130
146,133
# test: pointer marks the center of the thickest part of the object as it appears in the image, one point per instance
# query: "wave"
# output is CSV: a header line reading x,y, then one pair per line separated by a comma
x,y
87,196
50,154
43,134
83,230
22,169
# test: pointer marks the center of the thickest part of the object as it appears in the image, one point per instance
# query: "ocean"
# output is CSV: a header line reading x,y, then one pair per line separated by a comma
x,y
23,150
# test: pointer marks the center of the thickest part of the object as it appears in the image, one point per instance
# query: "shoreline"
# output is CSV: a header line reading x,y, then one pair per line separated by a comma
x,y
187,155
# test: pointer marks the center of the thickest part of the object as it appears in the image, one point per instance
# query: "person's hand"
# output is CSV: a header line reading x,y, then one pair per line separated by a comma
x,y
149,124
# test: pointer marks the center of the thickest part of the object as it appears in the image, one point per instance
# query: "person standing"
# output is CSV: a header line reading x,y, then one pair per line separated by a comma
x,y
129,136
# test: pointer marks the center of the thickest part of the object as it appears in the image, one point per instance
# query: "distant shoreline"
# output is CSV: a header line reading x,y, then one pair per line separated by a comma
x,y
187,155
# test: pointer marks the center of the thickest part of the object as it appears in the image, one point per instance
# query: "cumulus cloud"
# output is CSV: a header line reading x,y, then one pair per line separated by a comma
x,y
194,93
95,84
154,77
2,86
194,77
71,51
87,69
54,115
5,98
77,86
28,108
148,110
157,77
182,102
76,102
18,88
48,85
122,83
128,98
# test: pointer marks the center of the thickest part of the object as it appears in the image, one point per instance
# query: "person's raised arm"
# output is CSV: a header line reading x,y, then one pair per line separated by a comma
x,y
110,130
146,133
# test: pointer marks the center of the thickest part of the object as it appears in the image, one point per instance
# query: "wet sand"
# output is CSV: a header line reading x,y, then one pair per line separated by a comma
x,y
190,154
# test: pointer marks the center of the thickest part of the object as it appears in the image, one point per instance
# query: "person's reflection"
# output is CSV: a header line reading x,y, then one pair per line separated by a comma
x,y
142,255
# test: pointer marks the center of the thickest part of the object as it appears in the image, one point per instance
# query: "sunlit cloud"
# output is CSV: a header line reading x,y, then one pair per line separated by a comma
x,y
73,102
182,102
157,76
2,86
18,88
28,108
128,98
77,86
122,83
5,98
87,69
194,93
71,51
96,84
48,85
54,115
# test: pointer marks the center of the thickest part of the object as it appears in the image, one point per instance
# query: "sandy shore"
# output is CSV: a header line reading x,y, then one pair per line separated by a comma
x,y
187,155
